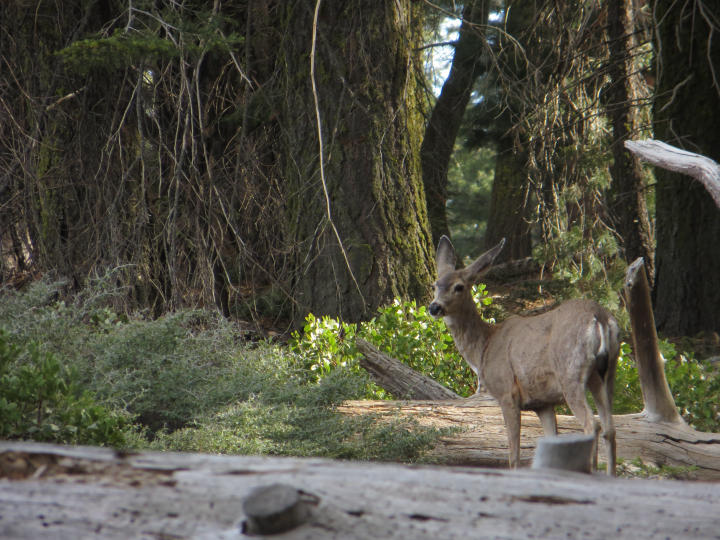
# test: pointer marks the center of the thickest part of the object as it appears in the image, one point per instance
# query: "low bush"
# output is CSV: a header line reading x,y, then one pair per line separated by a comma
x,y
77,372
41,400
187,379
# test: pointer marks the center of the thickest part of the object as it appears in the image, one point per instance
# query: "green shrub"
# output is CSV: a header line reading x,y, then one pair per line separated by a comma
x,y
192,380
695,385
293,412
403,330
585,263
627,397
41,400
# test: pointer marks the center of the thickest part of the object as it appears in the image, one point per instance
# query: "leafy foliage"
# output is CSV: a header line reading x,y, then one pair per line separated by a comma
x,y
76,372
587,262
627,398
186,379
695,385
40,399
402,329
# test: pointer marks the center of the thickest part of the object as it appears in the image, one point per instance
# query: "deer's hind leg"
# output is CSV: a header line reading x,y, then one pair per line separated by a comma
x,y
602,393
548,420
577,401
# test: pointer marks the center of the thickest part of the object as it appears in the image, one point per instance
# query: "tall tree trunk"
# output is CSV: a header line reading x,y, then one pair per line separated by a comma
x,y
508,203
442,128
371,193
508,199
687,113
627,205
187,154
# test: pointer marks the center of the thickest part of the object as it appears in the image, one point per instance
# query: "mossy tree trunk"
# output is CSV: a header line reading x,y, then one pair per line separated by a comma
x,y
687,113
372,195
186,155
508,202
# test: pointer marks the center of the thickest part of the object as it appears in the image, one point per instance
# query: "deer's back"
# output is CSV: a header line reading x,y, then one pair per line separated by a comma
x,y
537,354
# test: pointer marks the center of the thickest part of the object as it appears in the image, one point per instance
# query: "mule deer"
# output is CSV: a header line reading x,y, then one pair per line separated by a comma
x,y
533,363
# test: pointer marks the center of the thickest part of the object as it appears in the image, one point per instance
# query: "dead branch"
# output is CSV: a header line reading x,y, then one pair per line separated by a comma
x,y
663,155
399,379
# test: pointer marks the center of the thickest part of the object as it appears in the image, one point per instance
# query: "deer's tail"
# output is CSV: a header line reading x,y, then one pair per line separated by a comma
x,y
608,348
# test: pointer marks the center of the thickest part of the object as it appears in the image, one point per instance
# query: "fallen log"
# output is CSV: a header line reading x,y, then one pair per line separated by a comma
x,y
397,378
482,441
49,491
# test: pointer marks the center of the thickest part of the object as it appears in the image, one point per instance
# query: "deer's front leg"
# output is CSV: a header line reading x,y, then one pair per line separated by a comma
x,y
511,415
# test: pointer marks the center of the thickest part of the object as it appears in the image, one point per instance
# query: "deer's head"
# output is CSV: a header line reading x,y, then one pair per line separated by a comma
x,y
453,287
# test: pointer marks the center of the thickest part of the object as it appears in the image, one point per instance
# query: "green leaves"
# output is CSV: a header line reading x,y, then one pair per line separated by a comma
x,y
403,330
40,400
187,379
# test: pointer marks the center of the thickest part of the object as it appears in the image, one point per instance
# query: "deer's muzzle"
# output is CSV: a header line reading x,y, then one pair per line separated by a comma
x,y
436,310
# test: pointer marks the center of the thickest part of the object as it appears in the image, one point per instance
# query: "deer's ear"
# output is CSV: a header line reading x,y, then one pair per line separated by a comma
x,y
483,262
445,256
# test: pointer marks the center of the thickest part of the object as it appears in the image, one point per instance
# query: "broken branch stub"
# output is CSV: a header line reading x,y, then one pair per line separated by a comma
x,y
659,403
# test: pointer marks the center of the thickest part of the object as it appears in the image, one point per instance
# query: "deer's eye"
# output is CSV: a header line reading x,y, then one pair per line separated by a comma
x,y
459,288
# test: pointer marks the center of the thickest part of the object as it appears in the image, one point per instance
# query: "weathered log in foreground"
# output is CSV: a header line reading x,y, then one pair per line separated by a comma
x,y
483,441
69,493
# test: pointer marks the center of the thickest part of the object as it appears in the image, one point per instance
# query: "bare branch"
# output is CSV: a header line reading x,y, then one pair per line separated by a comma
x,y
663,155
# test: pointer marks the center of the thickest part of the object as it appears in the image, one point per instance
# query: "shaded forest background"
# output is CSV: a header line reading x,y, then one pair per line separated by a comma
x,y
271,159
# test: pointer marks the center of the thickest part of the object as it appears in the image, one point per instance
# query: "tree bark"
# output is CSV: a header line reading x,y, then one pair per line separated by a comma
x,y
627,192
372,192
686,114
184,152
508,203
444,124
509,208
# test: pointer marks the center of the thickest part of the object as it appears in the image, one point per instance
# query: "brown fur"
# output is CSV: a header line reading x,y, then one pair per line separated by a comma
x,y
532,363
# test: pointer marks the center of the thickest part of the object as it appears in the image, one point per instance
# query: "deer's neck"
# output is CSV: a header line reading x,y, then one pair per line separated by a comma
x,y
470,334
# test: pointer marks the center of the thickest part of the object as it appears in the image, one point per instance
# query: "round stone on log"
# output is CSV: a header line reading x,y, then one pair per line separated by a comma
x,y
566,452
273,509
